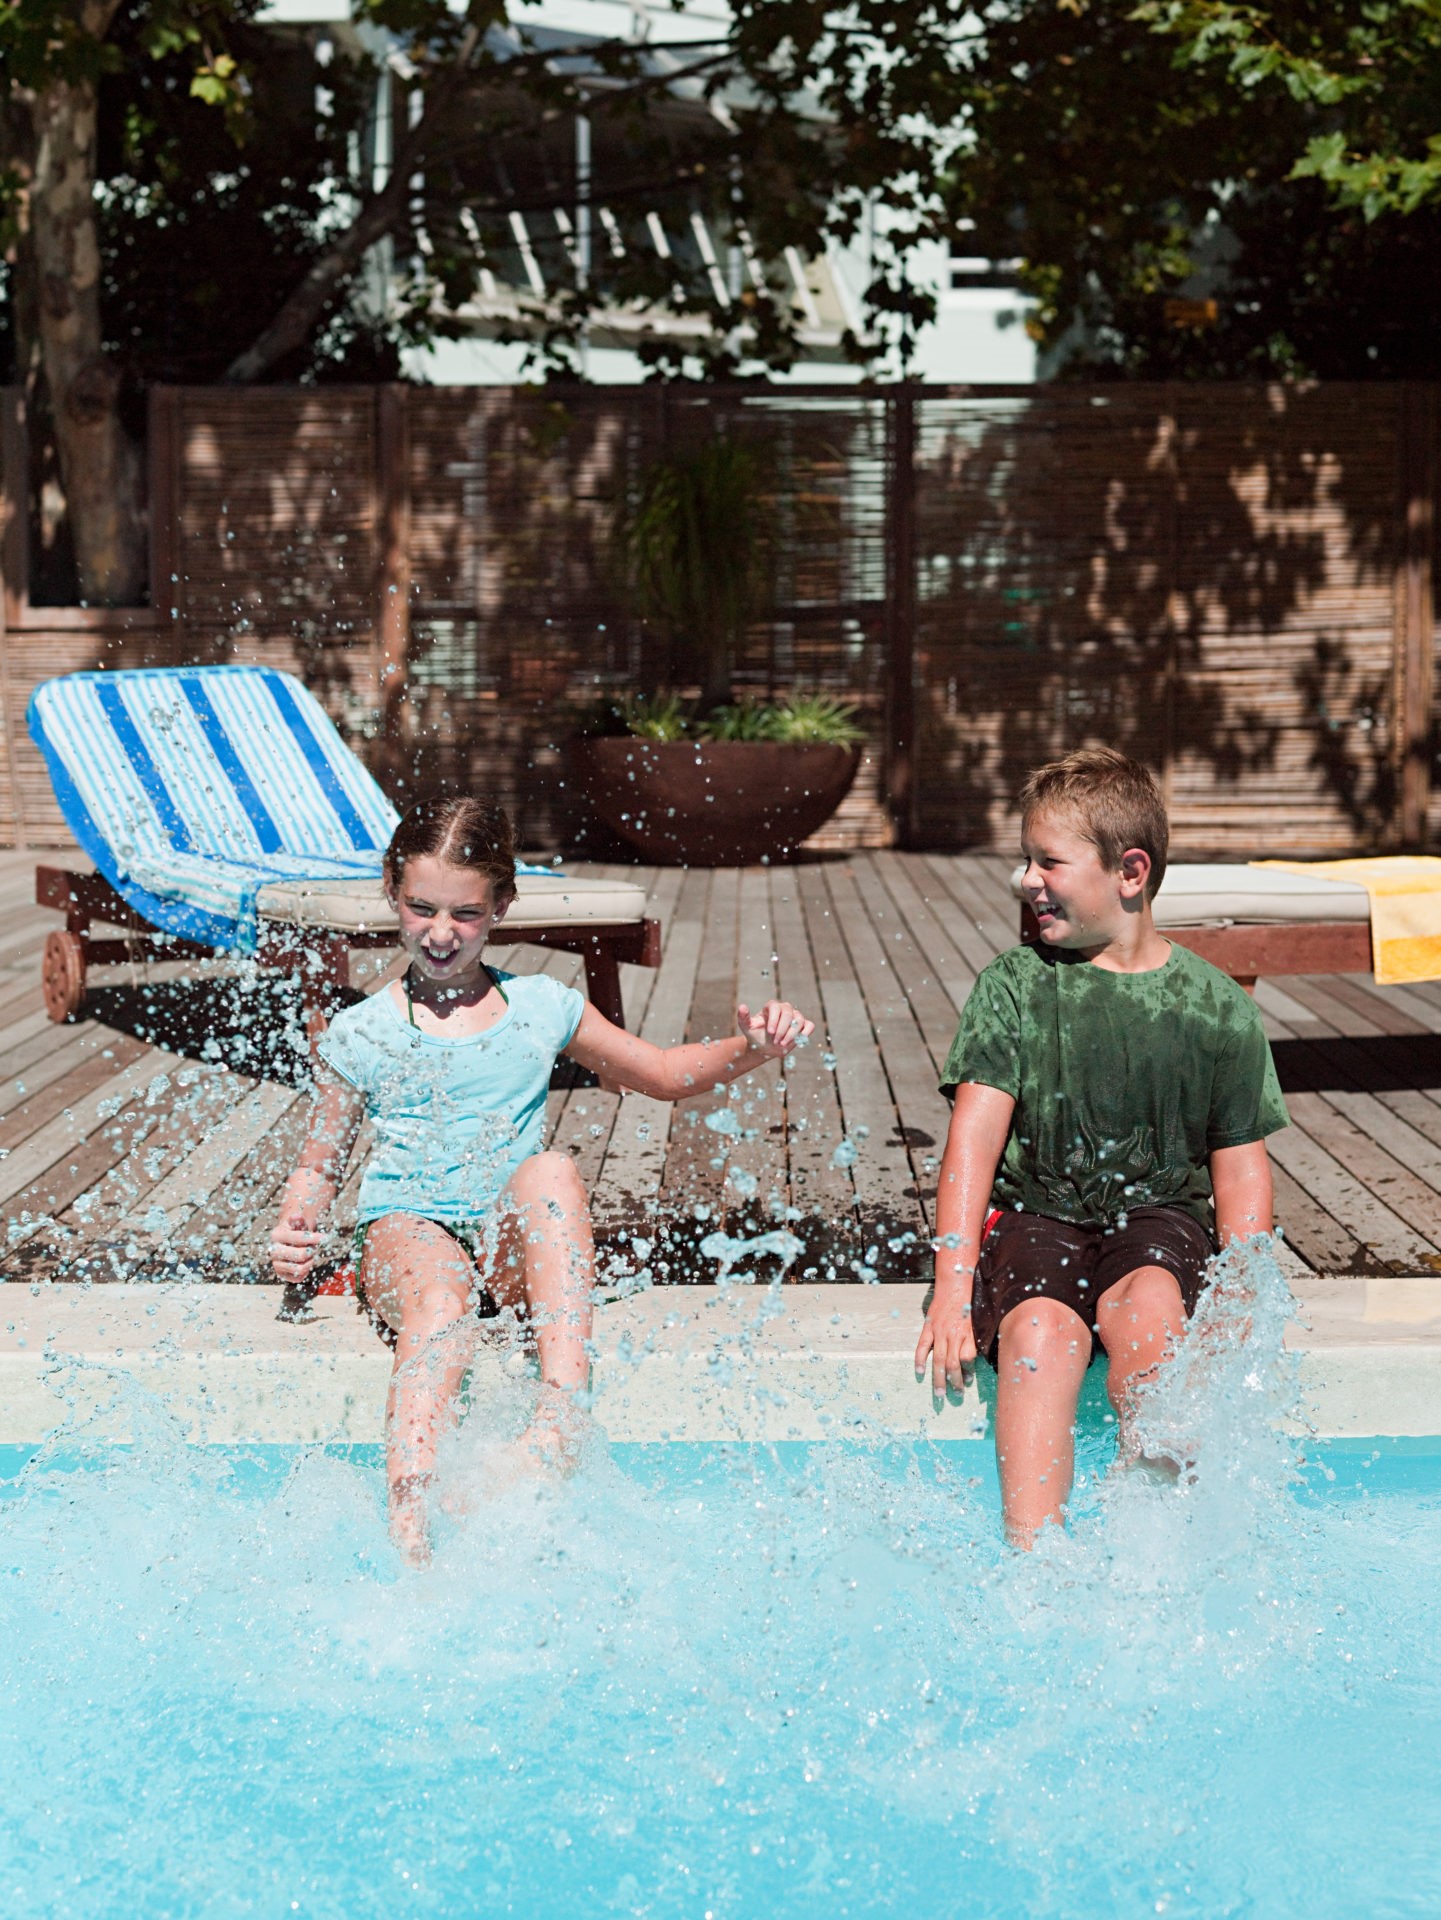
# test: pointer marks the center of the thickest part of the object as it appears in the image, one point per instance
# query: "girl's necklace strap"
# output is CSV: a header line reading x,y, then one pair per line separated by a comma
x,y
410,1003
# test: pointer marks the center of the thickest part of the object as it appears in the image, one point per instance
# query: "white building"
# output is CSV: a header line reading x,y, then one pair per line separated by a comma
x,y
978,334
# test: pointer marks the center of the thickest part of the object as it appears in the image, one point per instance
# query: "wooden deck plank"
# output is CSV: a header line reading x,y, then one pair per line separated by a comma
x,y
1338,1127
994,923
159,1137
921,1114
975,947
696,1162
43,1054
954,974
1404,1198
635,1158
187,1188
587,1120
241,1208
932,1006
1354,1072
883,948
759,1170
1375,1004
1319,1172
881,1167
40,1116
40,1176
1321,1241
1317,995
823,1192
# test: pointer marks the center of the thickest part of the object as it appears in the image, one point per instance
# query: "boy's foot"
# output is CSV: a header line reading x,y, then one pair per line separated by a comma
x,y
1153,1466
408,1527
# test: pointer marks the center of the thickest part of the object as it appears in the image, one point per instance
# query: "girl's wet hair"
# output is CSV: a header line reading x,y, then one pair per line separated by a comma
x,y
464,831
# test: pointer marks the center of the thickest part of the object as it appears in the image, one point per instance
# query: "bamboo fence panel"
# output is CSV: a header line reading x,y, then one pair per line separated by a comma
x,y
1234,582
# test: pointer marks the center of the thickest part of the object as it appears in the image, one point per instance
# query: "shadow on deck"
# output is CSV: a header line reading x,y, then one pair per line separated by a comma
x,y
150,1139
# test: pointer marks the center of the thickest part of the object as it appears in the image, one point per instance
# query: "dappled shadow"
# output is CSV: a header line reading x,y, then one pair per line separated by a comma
x,y
1203,577
1379,1063
252,1026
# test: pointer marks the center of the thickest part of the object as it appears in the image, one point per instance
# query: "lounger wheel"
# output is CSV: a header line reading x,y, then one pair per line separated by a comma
x,y
62,975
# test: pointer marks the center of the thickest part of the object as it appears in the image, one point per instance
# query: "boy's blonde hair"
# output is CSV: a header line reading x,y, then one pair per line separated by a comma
x,y
1111,801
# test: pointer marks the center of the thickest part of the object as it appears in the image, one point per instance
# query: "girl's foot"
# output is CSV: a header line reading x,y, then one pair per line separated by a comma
x,y
552,1443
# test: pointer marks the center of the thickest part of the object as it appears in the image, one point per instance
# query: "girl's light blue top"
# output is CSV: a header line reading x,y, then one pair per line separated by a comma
x,y
453,1118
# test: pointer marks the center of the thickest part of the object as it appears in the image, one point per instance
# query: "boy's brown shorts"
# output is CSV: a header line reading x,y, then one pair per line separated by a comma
x,y
1029,1256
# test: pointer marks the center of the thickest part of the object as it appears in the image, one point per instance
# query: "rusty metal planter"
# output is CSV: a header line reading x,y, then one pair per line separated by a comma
x,y
713,803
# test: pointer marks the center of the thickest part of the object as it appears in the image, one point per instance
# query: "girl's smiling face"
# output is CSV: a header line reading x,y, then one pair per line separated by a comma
x,y
446,915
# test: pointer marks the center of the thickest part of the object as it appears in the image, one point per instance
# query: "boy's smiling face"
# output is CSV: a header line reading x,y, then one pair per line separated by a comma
x,y
1078,902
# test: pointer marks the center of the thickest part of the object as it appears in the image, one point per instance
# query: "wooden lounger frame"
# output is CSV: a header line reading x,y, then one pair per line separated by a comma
x,y
320,955
1250,953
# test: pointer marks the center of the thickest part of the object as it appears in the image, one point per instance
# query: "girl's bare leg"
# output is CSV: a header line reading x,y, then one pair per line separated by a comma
x,y
545,1266
420,1281
1041,1360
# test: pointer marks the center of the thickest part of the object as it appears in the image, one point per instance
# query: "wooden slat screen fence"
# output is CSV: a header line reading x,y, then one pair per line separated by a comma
x,y
1235,582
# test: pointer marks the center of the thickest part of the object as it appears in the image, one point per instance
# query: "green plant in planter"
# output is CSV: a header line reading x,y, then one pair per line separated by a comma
x,y
661,717
746,720
694,555
818,718
802,719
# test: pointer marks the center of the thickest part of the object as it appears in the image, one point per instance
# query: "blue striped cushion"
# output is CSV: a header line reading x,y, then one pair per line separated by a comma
x,y
193,787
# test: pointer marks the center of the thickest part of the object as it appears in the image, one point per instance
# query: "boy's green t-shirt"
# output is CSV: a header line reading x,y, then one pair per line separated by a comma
x,y
1124,1083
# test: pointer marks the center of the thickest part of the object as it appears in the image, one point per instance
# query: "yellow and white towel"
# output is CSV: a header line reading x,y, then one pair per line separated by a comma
x,y
1405,892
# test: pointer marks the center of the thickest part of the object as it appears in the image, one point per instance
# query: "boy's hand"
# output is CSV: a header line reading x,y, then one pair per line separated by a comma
x,y
293,1247
776,1029
949,1342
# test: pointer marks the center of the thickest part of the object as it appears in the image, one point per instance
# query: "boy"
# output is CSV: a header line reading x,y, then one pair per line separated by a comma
x,y
1108,1088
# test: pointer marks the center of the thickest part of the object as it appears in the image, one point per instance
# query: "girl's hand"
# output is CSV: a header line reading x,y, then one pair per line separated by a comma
x,y
776,1029
293,1247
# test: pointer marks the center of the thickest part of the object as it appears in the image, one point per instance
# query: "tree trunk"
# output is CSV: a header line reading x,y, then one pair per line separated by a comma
x,y
98,465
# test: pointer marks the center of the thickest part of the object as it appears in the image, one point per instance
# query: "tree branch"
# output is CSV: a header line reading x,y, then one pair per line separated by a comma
x,y
384,206
378,214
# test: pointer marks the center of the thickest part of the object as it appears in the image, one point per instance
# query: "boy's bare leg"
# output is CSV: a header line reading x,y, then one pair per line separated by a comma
x,y
547,1260
1042,1356
420,1281
1138,1321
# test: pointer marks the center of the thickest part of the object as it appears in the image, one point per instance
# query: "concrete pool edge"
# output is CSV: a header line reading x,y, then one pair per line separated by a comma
x,y
684,1363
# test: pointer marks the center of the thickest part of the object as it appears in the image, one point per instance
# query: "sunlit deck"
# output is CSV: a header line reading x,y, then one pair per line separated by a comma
x,y
150,1139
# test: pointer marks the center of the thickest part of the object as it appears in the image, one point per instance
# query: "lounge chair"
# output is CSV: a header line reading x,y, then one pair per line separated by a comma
x,y
224,812
1256,921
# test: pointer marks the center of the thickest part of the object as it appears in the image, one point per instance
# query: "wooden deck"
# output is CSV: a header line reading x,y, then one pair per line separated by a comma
x,y
149,1140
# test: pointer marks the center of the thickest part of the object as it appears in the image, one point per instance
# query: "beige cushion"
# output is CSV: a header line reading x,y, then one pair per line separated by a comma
x,y
542,900
1219,895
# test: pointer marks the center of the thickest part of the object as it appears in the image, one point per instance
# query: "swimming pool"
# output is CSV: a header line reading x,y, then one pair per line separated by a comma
x,y
727,1681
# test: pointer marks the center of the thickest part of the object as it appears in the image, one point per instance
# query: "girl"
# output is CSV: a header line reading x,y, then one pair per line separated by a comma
x,y
460,1199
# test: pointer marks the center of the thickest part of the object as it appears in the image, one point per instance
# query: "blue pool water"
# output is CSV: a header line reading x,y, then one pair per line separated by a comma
x,y
727,1681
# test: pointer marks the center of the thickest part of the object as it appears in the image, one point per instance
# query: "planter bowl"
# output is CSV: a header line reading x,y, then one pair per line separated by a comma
x,y
714,803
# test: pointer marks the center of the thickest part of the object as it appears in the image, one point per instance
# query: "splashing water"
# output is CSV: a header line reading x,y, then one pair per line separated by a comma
x,y
726,1249
734,1680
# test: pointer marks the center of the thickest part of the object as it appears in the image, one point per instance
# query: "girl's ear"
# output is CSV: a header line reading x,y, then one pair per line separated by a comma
x,y
503,904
